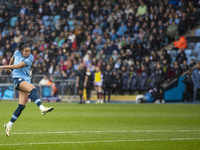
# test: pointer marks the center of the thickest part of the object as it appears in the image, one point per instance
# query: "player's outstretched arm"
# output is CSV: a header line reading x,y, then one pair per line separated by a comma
x,y
17,66
10,63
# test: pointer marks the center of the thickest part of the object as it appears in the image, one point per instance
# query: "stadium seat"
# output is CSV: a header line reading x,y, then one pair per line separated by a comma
x,y
191,46
55,19
51,18
99,47
47,23
197,33
188,52
143,82
194,53
173,55
45,18
124,81
197,46
134,83
13,21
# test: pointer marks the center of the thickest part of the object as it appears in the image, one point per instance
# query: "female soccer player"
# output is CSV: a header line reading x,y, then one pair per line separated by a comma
x,y
21,64
98,80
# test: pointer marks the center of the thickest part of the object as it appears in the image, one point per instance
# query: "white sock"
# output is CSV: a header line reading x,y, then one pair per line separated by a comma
x,y
41,107
10,124
101,101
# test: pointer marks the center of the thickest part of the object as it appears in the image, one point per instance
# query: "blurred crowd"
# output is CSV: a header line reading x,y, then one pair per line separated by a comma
x,y
126,34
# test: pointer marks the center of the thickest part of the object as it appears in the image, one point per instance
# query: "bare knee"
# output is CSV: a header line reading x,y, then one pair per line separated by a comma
x,y
26,87
99,89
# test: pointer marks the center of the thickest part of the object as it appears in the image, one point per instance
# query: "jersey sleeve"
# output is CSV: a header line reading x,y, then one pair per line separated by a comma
x,y
28,60
16,53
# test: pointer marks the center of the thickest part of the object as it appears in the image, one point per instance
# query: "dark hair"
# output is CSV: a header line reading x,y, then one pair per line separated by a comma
x,y
25,44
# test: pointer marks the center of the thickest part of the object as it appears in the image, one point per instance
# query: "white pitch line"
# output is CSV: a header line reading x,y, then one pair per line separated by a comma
x,y
109,141
115,131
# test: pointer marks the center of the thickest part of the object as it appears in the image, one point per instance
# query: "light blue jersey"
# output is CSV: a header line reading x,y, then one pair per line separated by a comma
x,y
24,71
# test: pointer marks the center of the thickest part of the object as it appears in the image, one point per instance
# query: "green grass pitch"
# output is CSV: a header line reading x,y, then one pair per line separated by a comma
x,y
102,127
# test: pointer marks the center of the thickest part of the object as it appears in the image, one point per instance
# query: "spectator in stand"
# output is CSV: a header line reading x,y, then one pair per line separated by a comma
x,y
194,17
44,80
142,9
116,83
122,29
159,74
166,56
154,56
184,66
181,56
196,82
192,63
166,68
172,31
177,70
189,87
53,85
17,37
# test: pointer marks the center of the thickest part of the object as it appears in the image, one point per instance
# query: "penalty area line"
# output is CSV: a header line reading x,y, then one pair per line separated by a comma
x,y
109,141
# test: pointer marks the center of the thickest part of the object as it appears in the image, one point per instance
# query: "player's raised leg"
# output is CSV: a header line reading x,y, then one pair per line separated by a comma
x,y
29,88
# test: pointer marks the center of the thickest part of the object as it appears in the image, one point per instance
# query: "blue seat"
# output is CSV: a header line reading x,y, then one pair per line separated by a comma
x,y
124,82
143,83
45,18
47,23
197,46
99,47
71,22
194,53
13,21
55,19
197,32
134,83
191,46
188,52
50,18
173,55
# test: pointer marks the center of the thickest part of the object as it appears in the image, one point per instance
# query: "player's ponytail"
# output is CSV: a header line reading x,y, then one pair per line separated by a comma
x,y
24,44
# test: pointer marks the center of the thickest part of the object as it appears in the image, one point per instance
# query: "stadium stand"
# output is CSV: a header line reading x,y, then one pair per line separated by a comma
x,y
119,33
